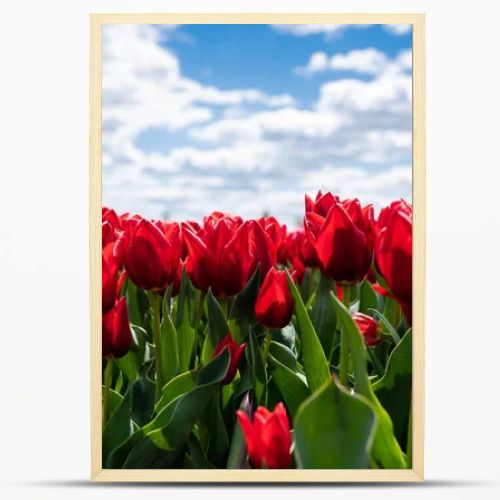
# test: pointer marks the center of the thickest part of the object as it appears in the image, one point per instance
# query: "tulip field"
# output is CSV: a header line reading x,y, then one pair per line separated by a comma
x,y
238,344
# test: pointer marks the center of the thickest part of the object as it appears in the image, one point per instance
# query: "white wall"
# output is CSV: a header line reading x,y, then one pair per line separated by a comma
x,y
44,365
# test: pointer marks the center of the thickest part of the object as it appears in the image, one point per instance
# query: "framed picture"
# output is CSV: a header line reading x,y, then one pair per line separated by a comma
x,y
257,247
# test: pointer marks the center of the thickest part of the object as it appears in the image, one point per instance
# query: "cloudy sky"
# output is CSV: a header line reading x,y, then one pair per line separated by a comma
x,y
248,118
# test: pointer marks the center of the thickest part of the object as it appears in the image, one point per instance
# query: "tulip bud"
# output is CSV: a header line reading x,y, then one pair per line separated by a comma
x,y
393,252
369,328
116,336
267,437
274,304
235,353
151,258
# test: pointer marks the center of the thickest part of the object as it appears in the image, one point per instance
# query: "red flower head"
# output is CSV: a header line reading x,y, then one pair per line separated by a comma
x,y
343,239
223,255
290,252
369,328
274,304
210,221
235,353
109,277
109,216
275,230
116,336
322,204
260,250
267,437
151,257
393,251
215,258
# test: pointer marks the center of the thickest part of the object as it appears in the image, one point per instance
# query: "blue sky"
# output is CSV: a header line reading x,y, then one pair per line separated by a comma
x,y
247,118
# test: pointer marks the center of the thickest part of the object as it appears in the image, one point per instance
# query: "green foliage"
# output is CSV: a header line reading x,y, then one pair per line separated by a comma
x,y
386,450
315,363
334,430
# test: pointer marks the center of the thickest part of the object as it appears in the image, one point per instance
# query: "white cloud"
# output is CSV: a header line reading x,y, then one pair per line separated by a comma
x,y
143,87
364,61
249,152
329,30
398,29
390,93
332,30
376,186
289,122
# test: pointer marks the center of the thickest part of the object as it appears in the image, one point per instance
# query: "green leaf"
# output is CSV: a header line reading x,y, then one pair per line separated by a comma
x,y
392,312
176,387
118,428
213,433
368,298
386,449
242,312
169,348
138,354
334,430
137,303
286,336
217,324
257,367
159,443
135,408
284,355
238,453
315,363
292,387
206,350
323,315
146,455
386,326
200,460
128,365
143,395
186,334
394,389
188,408
115,399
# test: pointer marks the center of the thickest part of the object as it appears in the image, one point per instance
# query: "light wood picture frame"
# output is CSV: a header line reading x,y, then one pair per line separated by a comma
x,y
97,21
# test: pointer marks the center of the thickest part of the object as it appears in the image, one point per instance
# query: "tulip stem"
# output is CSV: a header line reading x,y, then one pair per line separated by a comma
x,y
344,343
269,334
108,374
155,302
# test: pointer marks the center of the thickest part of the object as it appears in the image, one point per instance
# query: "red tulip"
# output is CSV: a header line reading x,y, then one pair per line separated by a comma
x,y
108,234
215,258
267,437
210,221
274,304
322,204
343,240
235,353
393,251
151,258
275,230
290,253
109,278
369,328
223,256
116,336
109,216
260,251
